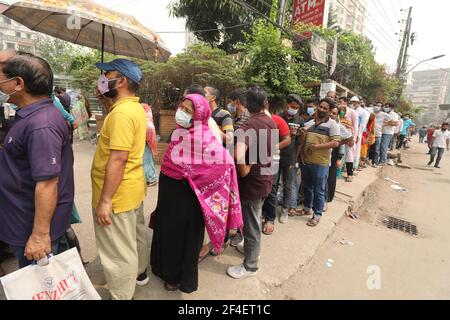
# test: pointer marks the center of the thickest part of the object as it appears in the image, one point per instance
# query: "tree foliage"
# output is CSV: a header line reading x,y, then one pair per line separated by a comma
x,y
272,64
199,64
217,14
58,53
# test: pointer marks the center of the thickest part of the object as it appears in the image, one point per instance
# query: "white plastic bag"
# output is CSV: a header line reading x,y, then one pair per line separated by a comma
x,y
64,278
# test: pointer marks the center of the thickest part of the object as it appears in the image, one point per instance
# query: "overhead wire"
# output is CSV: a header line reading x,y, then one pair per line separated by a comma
x,y
381,31
372,34
395,11
208,30
254,10
378,5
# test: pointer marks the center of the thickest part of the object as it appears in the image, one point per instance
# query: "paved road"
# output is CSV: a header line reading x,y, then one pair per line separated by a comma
x,y
409,267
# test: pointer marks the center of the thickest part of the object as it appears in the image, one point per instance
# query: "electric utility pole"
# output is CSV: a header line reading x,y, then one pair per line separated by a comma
x,y
403,55
282,12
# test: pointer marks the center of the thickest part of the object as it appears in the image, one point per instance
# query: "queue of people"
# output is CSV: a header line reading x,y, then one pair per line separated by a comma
x,y
219,179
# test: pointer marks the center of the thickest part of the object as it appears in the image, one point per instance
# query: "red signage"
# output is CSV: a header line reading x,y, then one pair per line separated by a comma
x,y
310,12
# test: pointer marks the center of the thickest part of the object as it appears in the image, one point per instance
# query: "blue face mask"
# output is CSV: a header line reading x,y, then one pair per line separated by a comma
x,y
231,108
311,111
292,112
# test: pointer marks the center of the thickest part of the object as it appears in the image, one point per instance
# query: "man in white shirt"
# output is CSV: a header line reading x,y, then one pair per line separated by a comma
x,y
398,130
379,123
440,142
364,117
9,110
390,123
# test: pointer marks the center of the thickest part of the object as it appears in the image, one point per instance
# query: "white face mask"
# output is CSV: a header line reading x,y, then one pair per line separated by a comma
x,y
4,98
231,108
183,119
292,112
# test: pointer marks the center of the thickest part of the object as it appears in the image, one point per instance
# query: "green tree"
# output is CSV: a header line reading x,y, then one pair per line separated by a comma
x,y
269,62
163,84
217,14
57,53
82,69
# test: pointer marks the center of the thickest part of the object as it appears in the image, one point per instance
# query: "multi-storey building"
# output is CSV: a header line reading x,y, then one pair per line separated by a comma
x,y
190,39
427,90
15,36
350,14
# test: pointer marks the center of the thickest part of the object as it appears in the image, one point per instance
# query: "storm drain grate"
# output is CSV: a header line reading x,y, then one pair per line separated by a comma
x,y
401,225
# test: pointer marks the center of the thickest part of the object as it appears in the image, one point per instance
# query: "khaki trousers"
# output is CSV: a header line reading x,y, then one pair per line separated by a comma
x,y
124,251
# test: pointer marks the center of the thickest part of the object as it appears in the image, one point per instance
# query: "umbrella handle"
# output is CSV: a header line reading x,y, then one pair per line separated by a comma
x,y
103,42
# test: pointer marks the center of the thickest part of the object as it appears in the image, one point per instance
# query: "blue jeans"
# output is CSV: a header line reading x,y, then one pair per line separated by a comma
x,y
294,188
269,210
386,140
58,246
439,152
376,159
315,179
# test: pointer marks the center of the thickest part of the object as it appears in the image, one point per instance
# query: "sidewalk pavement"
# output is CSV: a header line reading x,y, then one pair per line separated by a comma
x,y
283,254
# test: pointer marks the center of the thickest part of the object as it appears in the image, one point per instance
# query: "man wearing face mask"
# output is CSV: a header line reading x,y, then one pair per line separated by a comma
x,y
398,129
36,182
363,119
349,118
118,182
236,106
221,116
438,144
379,122
407,125
322,136
310,109
288,157
391,121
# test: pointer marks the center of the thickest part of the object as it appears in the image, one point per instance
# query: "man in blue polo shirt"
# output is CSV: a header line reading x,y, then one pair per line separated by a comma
x,y
407,125
36,182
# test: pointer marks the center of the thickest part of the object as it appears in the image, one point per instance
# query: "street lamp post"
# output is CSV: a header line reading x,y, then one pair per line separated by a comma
x,y
403,78
434,58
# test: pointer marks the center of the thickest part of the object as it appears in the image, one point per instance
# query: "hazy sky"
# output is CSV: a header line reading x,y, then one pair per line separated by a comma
x,y
429,22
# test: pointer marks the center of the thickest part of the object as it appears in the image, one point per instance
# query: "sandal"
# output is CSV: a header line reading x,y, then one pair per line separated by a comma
x,y
171,288
152,184
204,255
313,222
269,228
349,179
293,213
214,253
304,213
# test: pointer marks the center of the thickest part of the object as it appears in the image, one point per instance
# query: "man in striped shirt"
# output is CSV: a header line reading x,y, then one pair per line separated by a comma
x,y
322,136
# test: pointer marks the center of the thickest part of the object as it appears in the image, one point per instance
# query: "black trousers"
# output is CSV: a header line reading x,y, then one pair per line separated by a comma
x,y
332,177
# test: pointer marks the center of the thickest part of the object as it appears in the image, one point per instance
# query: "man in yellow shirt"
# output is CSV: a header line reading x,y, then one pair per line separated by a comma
x,y
118,183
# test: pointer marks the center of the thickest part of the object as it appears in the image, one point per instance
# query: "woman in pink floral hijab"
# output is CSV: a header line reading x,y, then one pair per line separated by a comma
x,y
197,189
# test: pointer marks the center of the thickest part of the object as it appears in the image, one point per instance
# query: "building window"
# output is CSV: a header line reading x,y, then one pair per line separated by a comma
x,y
10,45
7,20
29,36
28,49
18,34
